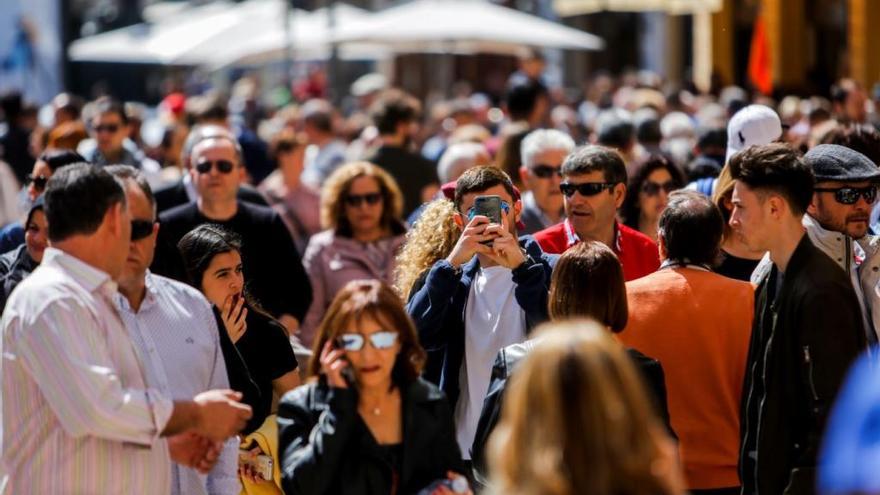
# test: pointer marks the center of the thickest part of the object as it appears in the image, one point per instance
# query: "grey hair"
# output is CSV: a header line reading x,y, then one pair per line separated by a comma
x,y
542,140
457,158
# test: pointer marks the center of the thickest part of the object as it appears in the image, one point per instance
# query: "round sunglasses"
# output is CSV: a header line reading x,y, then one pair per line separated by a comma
x,y
850,195
355,341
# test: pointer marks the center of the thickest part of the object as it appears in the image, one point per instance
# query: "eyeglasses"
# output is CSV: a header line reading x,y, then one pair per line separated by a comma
x,y
355,200
39,181
585,189
546,171
111,128
355,341
472,211
653,188
141,229
850,195
223,166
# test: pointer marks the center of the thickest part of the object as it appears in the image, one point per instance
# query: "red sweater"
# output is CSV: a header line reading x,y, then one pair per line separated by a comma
x,y
637,252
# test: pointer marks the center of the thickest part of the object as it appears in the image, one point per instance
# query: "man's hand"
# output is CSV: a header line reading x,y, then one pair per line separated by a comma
x,y
194,451
220,414
469,243
505,248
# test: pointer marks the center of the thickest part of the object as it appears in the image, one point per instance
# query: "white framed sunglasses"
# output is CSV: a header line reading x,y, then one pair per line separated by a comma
x,y
355,341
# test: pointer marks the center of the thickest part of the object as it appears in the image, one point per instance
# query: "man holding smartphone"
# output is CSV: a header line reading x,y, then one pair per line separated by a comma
x,y
488,293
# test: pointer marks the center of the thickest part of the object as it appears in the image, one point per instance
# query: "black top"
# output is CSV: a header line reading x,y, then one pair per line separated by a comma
x,y
412,172
168,197
14,267
272,268
267,353
326,448
240,378
736,268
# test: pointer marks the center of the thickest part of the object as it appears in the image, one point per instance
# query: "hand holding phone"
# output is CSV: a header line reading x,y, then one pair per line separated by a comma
x,y
333,363
255,465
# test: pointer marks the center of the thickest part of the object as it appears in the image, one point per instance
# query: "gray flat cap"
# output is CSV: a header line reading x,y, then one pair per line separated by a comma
x,y
839,163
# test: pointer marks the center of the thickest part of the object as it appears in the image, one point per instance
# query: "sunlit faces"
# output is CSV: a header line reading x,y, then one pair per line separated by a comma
x,y
140,252
213,184
654,194
36,235
372,365
364,204
109,132
223,278
593,216
750,217
36,182
543,179
833,214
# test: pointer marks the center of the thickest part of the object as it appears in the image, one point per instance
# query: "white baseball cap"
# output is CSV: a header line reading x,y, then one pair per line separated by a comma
x,y
753,125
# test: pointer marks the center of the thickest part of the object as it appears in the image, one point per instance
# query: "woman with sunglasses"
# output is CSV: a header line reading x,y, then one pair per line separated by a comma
x,y
367,424
361,207
648,192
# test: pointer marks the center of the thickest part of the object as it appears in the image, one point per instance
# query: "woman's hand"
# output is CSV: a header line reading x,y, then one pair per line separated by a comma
x,y
332,364
247,469
234,314
445,490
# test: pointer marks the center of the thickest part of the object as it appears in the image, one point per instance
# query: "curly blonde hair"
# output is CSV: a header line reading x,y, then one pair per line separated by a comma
x,y
430,239
337,186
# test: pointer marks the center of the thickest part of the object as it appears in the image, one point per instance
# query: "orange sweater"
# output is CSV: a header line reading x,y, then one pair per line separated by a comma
x,y
697,324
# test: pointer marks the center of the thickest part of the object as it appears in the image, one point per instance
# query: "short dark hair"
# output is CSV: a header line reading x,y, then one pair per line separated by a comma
x,y
393,107
775,168
318,114
105,104
615,128
77,198
127,172
522,95
592,158
860,137
58,158
630,210
691,227
588,282
479,179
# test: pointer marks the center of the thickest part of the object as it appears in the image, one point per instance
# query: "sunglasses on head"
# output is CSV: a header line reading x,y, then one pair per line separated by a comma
x,y
585,189
653,188
39,182
223,166
111,128
141,229
355,200
850,195
355,341
546,171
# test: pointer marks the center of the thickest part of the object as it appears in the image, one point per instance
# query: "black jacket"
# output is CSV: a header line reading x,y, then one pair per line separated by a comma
x,y
437,306
168,197
507,360
14,267
803,342
326,448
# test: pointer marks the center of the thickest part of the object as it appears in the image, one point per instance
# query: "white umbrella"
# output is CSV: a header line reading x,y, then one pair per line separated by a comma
x,y
463,26
566,8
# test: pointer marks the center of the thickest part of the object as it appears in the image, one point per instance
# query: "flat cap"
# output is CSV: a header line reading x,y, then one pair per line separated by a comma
x,y
839,163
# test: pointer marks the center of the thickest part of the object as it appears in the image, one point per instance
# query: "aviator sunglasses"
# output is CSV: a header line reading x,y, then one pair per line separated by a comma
x,y
850,195
585,189
223,166
355,341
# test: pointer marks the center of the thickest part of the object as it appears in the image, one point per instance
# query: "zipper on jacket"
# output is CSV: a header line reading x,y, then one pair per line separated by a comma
x,y
764,398
809,362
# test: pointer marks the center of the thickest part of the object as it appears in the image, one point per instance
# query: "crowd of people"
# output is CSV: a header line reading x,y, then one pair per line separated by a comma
x,y
636,293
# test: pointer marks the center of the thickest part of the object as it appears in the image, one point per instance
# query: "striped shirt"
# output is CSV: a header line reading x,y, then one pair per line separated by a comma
x,y
177,335
77,415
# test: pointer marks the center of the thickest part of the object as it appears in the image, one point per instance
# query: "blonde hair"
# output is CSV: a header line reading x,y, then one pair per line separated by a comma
x,y
337,186
576,419
723,193
430,239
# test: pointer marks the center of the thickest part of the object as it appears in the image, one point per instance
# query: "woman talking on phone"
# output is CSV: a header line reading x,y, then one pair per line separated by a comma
x,y
368,424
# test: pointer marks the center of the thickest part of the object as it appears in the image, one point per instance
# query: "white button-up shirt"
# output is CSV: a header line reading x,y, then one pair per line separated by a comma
x,y
177,335
77,415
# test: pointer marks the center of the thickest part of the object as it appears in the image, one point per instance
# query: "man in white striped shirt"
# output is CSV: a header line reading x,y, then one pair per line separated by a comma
x,y
175,330
77,414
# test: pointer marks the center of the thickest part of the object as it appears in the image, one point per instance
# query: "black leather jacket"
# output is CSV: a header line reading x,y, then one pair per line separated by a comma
x,y
326,448
14,267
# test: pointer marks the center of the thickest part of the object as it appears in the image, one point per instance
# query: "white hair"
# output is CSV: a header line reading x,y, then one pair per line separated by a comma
x,y
457,158
542,140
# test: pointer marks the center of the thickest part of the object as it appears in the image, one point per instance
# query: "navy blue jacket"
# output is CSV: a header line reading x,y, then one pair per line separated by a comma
x,y
437,306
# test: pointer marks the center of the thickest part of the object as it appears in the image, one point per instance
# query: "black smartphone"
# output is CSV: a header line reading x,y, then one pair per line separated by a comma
x,y
348,371
489,207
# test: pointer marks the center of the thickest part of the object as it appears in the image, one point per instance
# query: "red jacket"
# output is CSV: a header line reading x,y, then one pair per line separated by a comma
x,y
637,252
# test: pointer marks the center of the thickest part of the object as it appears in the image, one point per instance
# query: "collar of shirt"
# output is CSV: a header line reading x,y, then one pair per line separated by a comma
x,y
572,237
683,264
150,298
833,243
89,277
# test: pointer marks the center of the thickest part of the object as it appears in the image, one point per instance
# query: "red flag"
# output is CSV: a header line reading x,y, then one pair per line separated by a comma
x,y
760,64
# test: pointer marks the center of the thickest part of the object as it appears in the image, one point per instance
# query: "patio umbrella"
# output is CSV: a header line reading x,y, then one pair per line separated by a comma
x,y
567,8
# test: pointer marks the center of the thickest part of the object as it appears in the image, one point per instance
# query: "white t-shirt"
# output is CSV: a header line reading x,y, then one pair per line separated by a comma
x,y
493,320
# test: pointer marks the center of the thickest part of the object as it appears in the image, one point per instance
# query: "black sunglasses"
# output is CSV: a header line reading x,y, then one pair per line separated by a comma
x,y
111,128
850,195
224,166
546,171
585,189
141,229
39,182
355,200
653,188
